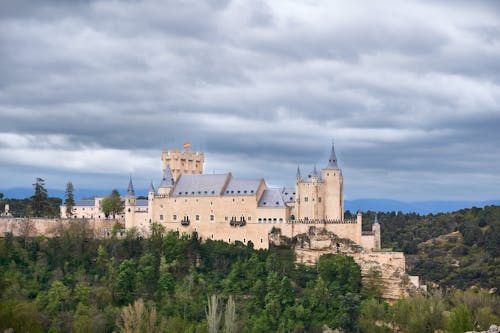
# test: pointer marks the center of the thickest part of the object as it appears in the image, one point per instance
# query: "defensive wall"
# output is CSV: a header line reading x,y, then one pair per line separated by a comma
x,y
49,227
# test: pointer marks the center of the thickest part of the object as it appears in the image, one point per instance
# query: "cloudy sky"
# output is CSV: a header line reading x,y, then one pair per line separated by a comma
x,y
92,91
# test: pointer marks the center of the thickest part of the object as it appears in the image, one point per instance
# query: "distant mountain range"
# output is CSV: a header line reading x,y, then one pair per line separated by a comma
x,y
420,207
378,205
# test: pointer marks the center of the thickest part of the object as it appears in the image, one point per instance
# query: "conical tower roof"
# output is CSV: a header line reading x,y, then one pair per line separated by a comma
x,y
298,172
130,190
151,188
375,221
332,161
168,179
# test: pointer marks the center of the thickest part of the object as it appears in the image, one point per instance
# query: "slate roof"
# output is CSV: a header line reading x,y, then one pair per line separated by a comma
x,y
271,197
151,188
85,203
141,202
130,190
168,179
288,194
308,178
199,185
332,161
242,187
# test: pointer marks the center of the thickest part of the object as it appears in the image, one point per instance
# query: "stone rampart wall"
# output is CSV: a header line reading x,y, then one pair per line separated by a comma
x,y
49,227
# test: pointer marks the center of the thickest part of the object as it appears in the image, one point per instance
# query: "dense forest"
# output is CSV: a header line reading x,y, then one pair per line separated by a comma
x,y
172,283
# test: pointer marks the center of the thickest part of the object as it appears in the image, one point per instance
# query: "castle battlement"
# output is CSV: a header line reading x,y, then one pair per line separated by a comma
x,y
323,221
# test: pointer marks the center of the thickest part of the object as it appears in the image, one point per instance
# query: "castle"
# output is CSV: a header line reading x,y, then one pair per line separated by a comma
x,y
222,207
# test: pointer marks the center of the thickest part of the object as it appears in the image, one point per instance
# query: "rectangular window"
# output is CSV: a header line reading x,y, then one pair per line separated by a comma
x,y
212,217
249,218
281,219
305,199
161,217
174,217
225,218
319,199
197,217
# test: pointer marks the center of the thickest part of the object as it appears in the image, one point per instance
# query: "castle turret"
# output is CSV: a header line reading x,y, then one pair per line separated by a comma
x,y
333,185
130,204
151,199
297,176
376,232
167,182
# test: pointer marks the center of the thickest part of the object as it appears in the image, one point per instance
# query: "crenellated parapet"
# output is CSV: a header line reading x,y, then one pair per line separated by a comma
x,y
322,221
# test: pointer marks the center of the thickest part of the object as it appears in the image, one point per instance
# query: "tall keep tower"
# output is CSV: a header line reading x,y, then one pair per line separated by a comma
x,y
187,162
334,189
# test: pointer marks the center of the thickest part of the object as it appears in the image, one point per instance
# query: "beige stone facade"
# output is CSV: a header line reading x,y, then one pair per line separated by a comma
x,y
223,207
183,162
91,209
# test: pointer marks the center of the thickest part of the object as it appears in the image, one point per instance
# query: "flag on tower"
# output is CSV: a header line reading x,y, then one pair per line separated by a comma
x,y
187,145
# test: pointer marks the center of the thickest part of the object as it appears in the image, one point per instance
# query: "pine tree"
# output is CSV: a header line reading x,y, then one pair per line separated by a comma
x,y
40,200
70,200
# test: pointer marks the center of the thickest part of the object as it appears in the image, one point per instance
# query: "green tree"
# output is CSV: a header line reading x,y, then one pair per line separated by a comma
x,y
126,281
372,316
58,297
341,271
419,314
40,205
70,200
460,320
112,204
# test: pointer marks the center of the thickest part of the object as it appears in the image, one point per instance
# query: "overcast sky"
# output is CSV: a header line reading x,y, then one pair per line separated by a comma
x,y
92,91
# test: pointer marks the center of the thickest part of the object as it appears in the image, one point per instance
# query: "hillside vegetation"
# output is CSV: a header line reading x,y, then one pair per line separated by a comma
x,y
459,249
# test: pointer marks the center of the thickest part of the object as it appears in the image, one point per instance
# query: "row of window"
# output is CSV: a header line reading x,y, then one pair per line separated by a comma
x,y
212,218
270,220
306,199
211,203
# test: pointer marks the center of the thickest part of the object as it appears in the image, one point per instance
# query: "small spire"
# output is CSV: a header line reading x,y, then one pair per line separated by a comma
x,y
375,222
168,179
332,161
151,188
298,172
130,190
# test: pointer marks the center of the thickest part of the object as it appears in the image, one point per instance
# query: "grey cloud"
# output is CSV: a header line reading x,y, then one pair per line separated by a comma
x,y
408,89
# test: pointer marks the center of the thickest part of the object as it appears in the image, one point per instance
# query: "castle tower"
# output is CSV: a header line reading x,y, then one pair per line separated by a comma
x,y
167,182
333,202
130,204
309,192
187,162
376,232
151,199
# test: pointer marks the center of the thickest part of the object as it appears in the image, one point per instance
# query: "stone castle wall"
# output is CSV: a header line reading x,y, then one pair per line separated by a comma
x,y
49,227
